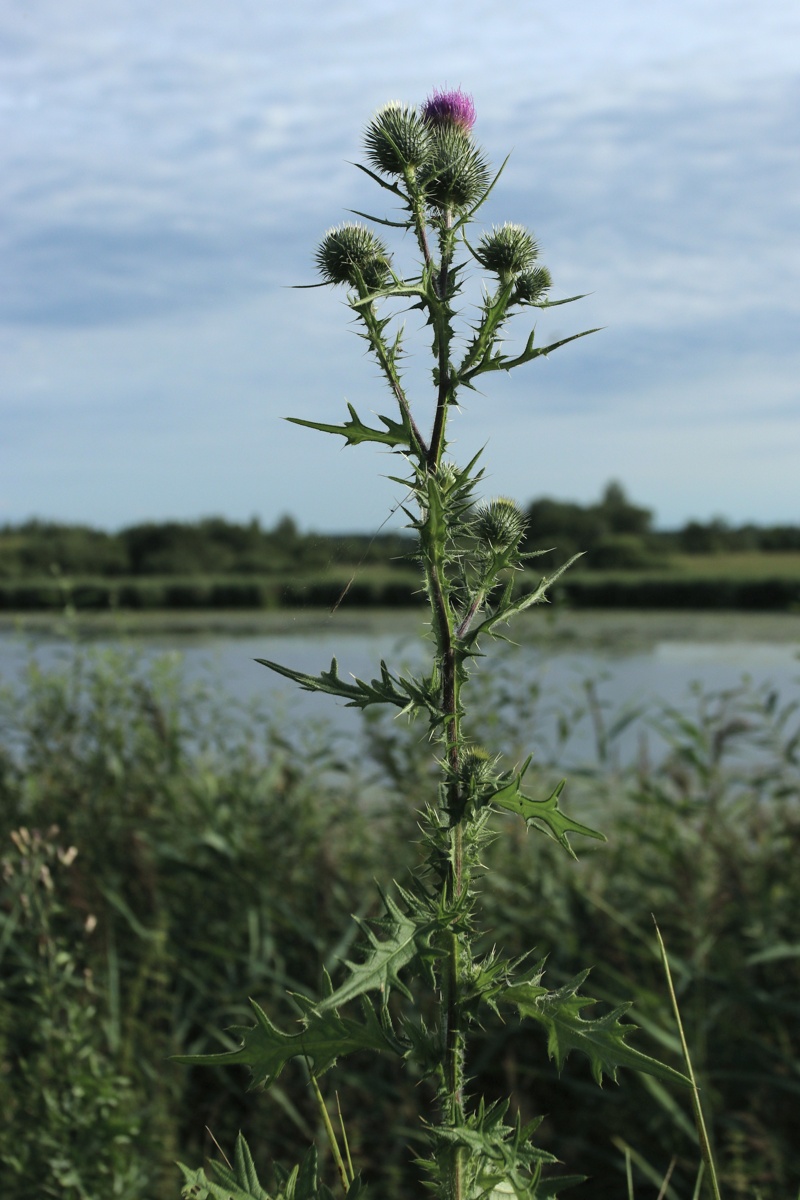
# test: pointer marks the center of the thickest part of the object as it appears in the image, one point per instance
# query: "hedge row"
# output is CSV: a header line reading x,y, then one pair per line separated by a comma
x,y
757,595
199,594
635,591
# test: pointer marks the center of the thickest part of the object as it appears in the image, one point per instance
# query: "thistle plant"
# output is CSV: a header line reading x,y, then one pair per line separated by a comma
x,y
423,956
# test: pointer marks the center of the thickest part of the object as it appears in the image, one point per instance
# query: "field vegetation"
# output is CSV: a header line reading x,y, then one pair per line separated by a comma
x,y
217,564
165,855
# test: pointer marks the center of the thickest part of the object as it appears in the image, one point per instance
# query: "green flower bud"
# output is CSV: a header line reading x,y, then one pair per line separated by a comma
x,y
508,250
532,285
447,475
500,524
456,174
475,770
396,139
352,254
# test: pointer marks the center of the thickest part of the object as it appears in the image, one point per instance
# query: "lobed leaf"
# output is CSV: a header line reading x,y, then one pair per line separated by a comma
x,y
601,1039
505,362
407,938
355,431
405,694
326,1036
240,1182
541,812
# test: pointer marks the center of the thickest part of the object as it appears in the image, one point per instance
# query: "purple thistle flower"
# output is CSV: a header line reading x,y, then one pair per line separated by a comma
x,y
450,108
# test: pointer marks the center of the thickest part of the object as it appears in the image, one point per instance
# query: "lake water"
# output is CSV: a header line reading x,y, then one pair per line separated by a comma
x,y
640,660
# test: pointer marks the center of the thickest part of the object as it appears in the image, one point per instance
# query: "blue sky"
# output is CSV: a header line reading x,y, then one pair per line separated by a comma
x,y
167,168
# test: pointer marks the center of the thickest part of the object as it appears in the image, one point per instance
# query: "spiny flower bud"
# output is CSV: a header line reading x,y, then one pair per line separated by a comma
x,y
455,174
450,108
446,474
396,139
532,285
499,523
475,769
508,250
352,254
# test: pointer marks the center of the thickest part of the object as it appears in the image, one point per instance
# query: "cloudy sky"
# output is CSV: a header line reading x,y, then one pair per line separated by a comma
x,y
167,168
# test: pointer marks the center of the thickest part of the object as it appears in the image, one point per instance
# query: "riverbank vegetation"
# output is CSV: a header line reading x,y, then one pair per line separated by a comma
x,y
216,564
165,855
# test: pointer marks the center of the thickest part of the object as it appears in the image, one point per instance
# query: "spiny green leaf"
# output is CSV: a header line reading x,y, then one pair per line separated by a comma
x,y
507,608
389,187
385,221
326,1036
405,694
541,812
355,431
602,1039
397,291
407,937
239,1182
503,1162
504,362
233,1185
557,303
195,1184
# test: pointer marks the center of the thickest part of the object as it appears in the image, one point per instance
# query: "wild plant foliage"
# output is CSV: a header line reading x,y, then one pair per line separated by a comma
x,y
422,957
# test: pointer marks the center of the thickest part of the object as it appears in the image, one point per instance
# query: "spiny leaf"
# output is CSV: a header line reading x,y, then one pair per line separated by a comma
x,y
405,694
389,187
355,431
238,1184
399,290
541,812
504,362
503,1161
508,608
407,938
602,1039
385,221
556,303
326,1036
241,1182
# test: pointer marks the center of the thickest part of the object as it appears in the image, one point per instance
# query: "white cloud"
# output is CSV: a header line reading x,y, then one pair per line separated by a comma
x,y
166,166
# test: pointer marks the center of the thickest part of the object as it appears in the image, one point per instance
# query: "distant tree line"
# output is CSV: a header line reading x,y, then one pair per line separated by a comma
x,y
614,534
212,546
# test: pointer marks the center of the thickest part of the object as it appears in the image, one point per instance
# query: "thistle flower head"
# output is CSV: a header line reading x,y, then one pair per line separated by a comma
x,y
475,764
455,174
396,139
446,475
449,108
532,285
476,772
352,254
508,250
499,524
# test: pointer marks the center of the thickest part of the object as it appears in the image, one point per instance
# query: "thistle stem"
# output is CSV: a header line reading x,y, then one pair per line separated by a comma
x,y
443,335
367,314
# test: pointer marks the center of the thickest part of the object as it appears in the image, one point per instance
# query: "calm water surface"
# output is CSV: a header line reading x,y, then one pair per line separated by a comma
x,y
634,659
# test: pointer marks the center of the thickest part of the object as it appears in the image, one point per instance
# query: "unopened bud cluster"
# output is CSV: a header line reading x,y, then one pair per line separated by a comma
x,y
431,149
